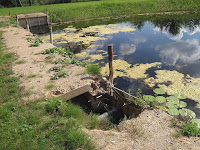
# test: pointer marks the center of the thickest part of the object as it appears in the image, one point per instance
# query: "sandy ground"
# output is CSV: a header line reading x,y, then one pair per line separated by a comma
x,y
149,131
16,42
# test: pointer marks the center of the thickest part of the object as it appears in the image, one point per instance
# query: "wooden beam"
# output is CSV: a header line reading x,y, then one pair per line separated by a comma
x,y
75,92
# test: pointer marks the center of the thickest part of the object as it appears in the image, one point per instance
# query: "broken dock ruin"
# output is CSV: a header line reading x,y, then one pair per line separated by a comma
x,y
36,23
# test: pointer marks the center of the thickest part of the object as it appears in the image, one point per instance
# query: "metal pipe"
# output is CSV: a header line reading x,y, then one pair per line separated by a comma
x,y
106,114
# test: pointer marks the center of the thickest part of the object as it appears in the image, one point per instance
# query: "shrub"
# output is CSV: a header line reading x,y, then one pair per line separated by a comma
x,y
190,129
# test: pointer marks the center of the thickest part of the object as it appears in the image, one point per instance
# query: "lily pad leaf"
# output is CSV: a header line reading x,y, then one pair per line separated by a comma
x,y
173,111
171,105
149,98
160,99
180,95
197,121
182,104
186,112
173,100
159,91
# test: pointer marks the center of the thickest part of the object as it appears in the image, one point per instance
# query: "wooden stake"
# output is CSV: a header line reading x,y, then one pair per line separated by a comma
x,y
9,13
110,59
27,24
46,11
16,19
50,33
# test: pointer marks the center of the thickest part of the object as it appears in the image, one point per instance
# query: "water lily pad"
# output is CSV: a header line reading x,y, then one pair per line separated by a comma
x,y
171,105
160,99
149,98
159,91
186,112
173,111
180,95
172,98
197,121
182,104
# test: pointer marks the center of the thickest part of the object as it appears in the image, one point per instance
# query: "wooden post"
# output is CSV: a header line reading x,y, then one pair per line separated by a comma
x,y
16,19
27,24
110,59
9,13
50,33
47,11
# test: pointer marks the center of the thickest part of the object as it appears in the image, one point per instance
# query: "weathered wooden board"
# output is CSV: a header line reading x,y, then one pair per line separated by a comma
x,y
75,92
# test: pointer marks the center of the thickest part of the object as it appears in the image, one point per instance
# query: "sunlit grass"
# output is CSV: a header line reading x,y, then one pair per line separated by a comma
x,y
105,8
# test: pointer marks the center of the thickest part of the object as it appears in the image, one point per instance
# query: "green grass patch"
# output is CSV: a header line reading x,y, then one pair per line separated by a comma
x,y
20,62
105,8
49,86
31,76
93,69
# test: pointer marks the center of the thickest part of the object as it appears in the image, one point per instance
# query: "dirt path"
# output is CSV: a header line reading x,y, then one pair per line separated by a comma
x,y
33,70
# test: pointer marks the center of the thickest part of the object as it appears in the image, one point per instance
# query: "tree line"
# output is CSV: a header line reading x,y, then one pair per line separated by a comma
x,y
21,3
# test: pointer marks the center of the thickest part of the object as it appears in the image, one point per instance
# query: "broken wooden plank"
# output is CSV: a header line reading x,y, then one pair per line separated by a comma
x,y
75,92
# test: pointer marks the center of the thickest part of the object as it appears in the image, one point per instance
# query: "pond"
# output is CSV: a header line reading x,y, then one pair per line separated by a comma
x,y
149,52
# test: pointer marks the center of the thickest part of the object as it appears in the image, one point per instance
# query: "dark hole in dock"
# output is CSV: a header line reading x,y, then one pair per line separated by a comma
x,y
105,104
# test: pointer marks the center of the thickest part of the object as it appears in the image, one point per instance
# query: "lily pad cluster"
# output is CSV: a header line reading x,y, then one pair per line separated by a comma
x,y
173,104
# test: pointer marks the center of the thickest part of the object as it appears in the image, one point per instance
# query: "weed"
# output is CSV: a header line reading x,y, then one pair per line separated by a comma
x,y
190,129
53,105
20,62
56,68
49,86
36,44
31,76
93,69
59,75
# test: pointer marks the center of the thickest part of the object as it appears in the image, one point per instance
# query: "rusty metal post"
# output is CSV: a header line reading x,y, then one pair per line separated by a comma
x,y
50,33
110,59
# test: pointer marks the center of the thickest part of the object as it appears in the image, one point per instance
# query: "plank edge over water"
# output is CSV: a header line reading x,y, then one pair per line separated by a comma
x,y
76,92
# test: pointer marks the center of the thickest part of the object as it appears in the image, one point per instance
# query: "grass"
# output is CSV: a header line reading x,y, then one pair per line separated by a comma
x,y
49,86
105,8
31,76
93,69
20,62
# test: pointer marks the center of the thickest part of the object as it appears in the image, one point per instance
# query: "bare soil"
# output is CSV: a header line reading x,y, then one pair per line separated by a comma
x,y
151,130
16,42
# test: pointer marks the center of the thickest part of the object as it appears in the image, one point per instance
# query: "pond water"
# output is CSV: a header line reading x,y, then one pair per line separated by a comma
x,y
150,51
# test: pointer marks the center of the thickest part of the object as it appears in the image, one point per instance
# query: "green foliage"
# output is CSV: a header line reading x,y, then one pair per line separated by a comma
x,y
93,69
49,86
95,123
59,50
59,75
105,8
160,99
190,129
187,113
159,91
35,42
31,76
173,111
53,105
56,68
20,62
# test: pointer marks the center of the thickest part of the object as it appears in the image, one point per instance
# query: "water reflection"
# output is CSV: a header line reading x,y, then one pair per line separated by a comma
x,y
186,52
